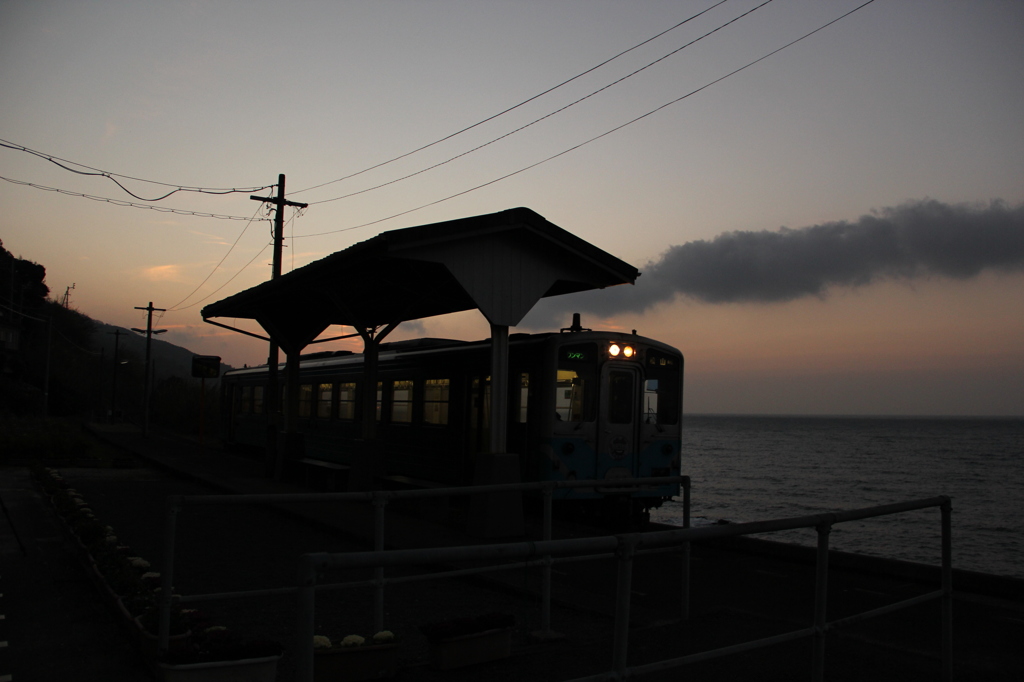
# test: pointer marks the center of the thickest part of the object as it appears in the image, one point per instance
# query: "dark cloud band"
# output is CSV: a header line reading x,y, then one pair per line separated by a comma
x,y
915,239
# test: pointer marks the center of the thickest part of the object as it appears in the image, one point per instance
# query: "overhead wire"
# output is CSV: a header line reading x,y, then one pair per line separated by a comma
x,y
512,108
221,261
113,176
121,202
597,137
549,115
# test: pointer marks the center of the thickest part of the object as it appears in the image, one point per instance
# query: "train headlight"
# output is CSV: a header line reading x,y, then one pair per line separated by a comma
x,y
628,351
614,350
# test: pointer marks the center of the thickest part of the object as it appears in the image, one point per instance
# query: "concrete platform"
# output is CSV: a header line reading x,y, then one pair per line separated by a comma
x,y
740,589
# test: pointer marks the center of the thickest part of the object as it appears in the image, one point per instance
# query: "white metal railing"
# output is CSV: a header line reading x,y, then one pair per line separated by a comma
x,y
379,499
624,548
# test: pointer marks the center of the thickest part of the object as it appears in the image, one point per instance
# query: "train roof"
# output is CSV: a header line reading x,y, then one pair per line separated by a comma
x,y
391,350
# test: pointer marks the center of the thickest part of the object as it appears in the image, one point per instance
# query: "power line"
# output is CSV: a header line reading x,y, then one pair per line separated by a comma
x,y
512,108
121,202
113,176
221,262
549,115
192,305
597,137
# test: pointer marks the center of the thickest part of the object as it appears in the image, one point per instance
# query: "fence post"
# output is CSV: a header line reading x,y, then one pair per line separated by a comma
x,y
171,507
545,607
304,619
684,611
820,602
623,592
947,591
379,504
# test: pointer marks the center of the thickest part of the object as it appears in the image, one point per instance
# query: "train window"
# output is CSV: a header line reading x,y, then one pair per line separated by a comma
x,y
305,400
620,397
347,401
524,397
324,393
650,410
570,396
661,391
246,405
380,398
401,401
257,399
435,401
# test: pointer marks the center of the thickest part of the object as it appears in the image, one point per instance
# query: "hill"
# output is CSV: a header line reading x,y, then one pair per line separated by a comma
x,y
168,359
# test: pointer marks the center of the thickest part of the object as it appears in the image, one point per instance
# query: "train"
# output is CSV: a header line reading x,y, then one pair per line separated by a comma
x,y
582,404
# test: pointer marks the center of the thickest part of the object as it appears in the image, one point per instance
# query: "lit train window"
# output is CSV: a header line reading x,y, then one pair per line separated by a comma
x,y
347,401
401,401
323,400
570,396
435,401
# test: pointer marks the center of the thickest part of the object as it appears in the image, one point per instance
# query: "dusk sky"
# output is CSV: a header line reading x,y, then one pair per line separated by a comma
x,y
836,229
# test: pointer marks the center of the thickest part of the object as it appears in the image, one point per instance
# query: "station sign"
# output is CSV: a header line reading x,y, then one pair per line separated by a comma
x,y
206,366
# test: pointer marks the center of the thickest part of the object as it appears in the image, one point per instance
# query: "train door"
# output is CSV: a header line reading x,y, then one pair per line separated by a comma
x,y
617,435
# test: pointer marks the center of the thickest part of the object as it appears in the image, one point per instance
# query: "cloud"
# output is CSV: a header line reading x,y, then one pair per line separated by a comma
x,y
163,273
916,239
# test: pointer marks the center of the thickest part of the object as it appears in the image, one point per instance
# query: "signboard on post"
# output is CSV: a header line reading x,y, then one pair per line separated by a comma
x,y
206,366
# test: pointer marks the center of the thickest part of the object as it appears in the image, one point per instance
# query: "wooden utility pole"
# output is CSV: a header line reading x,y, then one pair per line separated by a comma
x,y
272,399
148,331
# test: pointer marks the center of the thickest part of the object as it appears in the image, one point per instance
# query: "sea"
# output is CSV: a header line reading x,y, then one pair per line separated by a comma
x,y
752,468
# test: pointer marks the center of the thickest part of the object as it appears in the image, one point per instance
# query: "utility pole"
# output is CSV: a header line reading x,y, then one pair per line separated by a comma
x,y
67,296
148,331
272,399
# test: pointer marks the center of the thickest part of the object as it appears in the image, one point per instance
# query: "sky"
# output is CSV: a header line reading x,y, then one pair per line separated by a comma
x,y
828,226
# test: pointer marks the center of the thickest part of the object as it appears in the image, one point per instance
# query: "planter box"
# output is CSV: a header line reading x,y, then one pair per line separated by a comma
x,y
244,670
373,662
456,652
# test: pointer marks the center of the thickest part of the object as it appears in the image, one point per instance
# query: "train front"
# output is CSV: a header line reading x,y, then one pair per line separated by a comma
x,y
615,413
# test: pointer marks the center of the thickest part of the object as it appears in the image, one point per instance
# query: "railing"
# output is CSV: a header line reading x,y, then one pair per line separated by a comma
x,y
625,547
380,499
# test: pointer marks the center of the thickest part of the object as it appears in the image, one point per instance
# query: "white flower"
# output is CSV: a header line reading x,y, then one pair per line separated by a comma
x,y
384,636
150,575
138,562
215,628
321,642
353,640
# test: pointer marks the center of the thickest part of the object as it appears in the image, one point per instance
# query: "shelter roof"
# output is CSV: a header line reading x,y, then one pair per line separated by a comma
x,y
501,263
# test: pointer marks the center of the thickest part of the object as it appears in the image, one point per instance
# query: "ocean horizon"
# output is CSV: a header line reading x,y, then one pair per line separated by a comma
x,y
751,467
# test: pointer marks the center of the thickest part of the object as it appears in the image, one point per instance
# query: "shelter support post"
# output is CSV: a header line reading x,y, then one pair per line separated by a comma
x,y
498,514
294,448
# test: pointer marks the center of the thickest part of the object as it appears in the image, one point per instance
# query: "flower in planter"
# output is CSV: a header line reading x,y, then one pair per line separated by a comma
x,y
353,640
321,642
138,562
384,637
